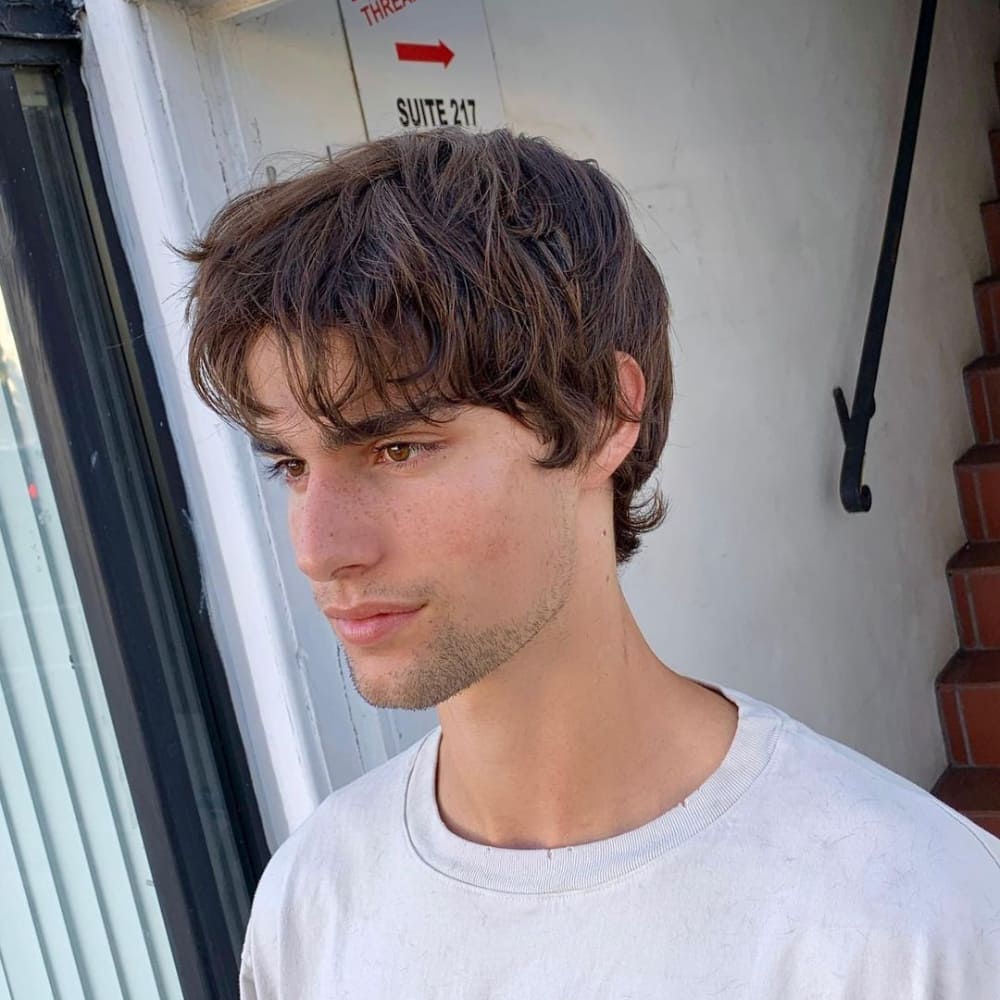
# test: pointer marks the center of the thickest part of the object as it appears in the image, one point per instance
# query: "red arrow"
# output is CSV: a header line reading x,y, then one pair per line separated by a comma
x,y
412,52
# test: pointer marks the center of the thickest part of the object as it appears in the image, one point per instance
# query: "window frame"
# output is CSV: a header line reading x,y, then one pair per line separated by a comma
x,y
95,515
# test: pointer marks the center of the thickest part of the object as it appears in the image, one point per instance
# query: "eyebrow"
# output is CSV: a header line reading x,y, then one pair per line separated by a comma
x,y
367,429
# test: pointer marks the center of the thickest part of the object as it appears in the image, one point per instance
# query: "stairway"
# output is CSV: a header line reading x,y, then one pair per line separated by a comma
x,y
968,688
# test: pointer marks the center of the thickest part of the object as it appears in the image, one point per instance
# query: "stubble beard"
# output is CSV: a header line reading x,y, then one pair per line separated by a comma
x,y
457,657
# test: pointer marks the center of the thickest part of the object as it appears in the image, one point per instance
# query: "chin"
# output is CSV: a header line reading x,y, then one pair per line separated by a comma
x,y
388,683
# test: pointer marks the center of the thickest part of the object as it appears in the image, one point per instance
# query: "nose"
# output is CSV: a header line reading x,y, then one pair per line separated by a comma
x,y
332,530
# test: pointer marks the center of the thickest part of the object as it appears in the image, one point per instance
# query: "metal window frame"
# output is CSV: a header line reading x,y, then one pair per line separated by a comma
x,y
122,624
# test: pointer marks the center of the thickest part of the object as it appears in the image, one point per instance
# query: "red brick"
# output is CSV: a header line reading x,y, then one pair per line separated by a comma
x,y
980,708
963,611
988,483
984,596
974,791
986,295
971,669
951,723
975,391
991,386
982,383
990,214
990,822
995,155
968,498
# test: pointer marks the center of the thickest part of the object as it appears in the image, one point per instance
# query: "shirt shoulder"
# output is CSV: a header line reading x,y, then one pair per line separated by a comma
x,y
356,826
825,784
868,870
860,797
867,845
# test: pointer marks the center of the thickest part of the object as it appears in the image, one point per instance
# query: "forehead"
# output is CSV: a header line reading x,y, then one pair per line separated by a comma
x,y
278,379
365,417
268,373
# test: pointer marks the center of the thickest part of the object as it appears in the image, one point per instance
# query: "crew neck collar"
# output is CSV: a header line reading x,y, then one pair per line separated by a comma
x,y
584,866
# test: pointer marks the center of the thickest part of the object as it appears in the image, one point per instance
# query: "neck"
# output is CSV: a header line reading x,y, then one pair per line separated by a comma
x,y
582,736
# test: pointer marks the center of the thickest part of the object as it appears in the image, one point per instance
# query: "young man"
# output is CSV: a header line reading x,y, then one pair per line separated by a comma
x,y
454,352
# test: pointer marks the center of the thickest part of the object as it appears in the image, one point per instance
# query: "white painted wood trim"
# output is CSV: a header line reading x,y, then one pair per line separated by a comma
x,y
222,10
161,157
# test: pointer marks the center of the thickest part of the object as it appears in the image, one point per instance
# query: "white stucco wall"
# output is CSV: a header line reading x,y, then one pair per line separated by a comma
x,y
762,176
758,140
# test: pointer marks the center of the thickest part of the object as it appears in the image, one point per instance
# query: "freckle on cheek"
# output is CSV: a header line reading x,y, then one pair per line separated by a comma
x,y
497,547
487,534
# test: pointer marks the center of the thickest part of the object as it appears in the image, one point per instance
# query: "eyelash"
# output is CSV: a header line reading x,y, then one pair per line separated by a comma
x,y
279,469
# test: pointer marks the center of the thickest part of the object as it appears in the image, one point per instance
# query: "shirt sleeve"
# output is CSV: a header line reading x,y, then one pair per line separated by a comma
x,y
967,948
248,991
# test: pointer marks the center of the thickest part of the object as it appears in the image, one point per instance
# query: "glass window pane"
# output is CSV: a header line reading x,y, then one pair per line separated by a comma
x,y
79,915
103,335
114,711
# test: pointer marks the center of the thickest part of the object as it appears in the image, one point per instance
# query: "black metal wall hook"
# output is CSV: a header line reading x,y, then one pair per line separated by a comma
x,y
855,496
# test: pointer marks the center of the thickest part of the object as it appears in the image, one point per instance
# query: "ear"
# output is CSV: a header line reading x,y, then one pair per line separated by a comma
x,y
624,433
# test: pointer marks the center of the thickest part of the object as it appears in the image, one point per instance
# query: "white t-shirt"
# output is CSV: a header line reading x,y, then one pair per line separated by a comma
x,y
800,870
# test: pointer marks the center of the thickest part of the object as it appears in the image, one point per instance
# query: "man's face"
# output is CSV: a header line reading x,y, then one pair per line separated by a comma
x,y
436,552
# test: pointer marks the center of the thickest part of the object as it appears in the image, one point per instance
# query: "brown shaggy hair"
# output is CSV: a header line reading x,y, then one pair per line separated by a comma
x,y
462,269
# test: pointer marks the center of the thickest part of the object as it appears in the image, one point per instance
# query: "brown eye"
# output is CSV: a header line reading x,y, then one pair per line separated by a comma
x,y
287,469
400,452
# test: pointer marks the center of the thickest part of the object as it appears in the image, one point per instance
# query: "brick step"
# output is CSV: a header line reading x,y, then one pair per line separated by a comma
x,y
974,581
995,156
968,693
977,476
974,792
982,391
986,295
990,212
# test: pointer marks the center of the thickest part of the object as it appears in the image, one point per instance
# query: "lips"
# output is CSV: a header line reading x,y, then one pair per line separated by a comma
x,y
365,625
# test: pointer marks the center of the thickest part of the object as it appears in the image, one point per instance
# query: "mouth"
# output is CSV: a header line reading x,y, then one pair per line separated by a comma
x,y
368,629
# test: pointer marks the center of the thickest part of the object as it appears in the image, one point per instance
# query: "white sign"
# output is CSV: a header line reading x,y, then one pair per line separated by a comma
x,y
422,63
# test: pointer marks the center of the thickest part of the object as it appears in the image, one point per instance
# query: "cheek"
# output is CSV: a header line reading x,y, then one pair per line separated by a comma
x,y
502,517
